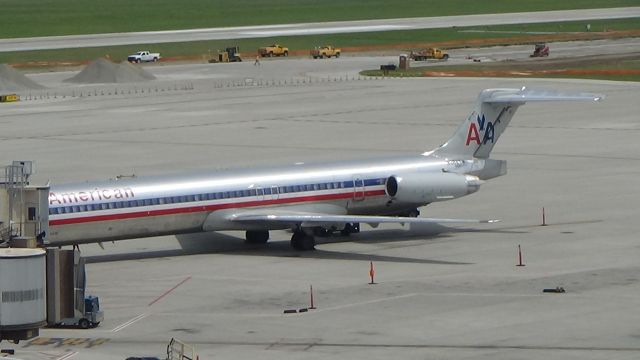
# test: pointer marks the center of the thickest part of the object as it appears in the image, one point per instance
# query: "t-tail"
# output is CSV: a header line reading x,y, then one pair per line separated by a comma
x,y
494,108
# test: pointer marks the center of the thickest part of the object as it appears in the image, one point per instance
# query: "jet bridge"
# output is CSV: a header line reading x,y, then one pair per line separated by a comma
x,y
24,208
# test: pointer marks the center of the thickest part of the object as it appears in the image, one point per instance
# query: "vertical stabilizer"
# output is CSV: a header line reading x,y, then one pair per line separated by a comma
x,y
477,135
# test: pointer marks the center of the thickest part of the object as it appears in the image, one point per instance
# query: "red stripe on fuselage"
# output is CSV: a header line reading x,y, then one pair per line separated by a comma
x,y
209,208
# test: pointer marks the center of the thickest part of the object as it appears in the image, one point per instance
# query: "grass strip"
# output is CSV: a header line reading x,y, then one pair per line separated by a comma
x,y
618,69
356,42
28,18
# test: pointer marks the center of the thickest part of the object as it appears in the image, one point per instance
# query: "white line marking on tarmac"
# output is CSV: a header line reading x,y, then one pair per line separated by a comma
x,y
326,30
339,307
67,356
130,322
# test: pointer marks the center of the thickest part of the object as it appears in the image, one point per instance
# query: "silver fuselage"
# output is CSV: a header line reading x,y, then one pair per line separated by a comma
x,y
150,206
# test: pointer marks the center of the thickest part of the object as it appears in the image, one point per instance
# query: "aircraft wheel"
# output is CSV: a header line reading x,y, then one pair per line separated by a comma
x,y
348,229
257,236
302,241
322,232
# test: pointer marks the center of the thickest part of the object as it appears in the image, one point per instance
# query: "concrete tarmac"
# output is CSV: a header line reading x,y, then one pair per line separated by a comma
x,y
441,292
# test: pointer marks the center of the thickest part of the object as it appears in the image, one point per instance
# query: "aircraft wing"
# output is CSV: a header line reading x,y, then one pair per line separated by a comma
x,y
321,215
317,219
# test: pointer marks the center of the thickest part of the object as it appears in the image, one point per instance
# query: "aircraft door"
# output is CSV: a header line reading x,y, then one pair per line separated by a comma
x,y
358,189
260,193
275,194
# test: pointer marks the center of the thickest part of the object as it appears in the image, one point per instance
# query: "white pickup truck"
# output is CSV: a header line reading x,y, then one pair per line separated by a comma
x,y
143,56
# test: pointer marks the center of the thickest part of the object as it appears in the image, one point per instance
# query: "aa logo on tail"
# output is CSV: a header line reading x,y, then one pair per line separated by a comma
x,y
484,128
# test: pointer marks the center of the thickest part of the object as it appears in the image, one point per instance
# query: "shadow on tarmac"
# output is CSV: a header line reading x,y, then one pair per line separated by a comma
x,y
217,243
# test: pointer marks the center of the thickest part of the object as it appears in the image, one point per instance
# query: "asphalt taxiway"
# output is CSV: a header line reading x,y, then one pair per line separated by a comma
x,y
446,293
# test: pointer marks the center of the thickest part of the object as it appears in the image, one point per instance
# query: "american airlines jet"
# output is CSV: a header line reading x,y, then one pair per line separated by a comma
x,y
311,200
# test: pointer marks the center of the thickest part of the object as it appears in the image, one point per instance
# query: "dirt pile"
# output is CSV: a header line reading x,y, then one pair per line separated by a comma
x,y
13,80
104,71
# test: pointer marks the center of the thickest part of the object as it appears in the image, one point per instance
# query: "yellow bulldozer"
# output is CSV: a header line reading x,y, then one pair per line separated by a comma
x,y
230,54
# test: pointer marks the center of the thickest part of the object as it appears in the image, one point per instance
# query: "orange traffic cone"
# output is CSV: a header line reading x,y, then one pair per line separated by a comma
x,y
372,273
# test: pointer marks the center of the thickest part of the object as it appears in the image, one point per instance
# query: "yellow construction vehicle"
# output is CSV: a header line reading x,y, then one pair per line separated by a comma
x,y
429,53
326,51
9,98
273,50
230,54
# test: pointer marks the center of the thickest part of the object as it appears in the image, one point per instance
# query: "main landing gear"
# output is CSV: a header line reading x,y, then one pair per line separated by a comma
x,y
304,240
350,228
257,236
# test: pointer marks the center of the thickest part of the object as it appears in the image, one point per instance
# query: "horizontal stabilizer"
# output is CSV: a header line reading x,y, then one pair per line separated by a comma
x,y
526,95
476,136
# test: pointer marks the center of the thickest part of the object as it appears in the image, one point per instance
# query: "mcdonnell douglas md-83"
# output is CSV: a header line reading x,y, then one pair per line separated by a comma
x,y
309,199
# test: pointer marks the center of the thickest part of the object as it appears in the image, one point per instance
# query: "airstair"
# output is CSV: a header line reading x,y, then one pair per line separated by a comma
x,y
178,350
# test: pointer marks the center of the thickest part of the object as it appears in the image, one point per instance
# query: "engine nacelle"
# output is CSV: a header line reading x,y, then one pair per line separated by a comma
x,y
418,188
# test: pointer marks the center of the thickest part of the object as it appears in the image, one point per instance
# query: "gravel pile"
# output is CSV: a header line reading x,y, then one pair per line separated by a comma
x,y
13,80
103,71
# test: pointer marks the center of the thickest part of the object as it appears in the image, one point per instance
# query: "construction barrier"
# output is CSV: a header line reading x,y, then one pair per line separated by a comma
x,y
9,98
157,89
